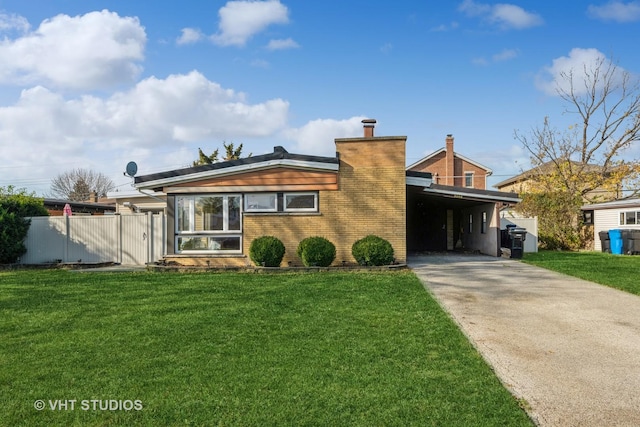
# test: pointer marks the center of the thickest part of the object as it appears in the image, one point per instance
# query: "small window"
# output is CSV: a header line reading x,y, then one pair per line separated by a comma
x,y
470,223
300,202
483,226
468,179
629,218
261,202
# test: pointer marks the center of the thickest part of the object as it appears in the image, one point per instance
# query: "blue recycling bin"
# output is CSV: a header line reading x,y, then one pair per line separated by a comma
x,y
615,237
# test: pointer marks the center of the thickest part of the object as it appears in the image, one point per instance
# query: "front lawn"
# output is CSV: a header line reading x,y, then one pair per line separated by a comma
x,y
617,271
335,349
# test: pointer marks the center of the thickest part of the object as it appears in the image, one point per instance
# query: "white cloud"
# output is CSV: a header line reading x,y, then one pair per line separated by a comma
x,y
506,55
386,48
95,50
156,115
282,44
317,136
480,61
549,80
505,16
445,27
13,22
241,20
189,36
616,11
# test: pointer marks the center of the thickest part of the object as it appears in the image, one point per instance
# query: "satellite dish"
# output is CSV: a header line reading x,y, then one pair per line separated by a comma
x,y
132,169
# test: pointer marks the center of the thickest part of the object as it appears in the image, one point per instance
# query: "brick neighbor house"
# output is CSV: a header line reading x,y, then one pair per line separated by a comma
x,y
453,169
215,211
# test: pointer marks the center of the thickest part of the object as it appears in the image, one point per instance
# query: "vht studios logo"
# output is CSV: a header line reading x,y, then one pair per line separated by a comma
x,y
88,405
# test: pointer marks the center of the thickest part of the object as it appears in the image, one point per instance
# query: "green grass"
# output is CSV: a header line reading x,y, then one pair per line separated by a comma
x,y
335,349
617,271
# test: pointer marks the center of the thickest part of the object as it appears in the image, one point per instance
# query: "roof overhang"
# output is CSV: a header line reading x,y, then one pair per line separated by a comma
x,y
232,170
615,204
471,194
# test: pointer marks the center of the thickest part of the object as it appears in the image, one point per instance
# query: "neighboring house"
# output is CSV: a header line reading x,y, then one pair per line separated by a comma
x,y
451,168
139,202
523,182
619,214
215,211
99,207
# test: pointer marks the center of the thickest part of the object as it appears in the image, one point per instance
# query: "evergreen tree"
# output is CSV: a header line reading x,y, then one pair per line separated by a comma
x,y
231,153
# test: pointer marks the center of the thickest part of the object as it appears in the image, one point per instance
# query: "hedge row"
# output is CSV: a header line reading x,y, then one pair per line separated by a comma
x,y
268,251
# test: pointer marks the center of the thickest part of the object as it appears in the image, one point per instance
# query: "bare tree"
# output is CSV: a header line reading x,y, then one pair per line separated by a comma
x,y
78,184
586,159
583,163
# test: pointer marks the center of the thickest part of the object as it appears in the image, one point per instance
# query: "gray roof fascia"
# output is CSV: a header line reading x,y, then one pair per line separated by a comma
x,y
472,193
623,203
236,166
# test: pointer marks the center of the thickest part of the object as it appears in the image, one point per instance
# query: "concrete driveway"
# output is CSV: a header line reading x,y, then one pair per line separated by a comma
x,y
568,347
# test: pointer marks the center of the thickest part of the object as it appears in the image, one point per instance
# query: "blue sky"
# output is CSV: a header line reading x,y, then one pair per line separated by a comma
x,y
95,84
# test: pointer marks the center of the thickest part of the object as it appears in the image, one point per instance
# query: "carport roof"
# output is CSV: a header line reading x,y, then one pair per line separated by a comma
x,y
471,194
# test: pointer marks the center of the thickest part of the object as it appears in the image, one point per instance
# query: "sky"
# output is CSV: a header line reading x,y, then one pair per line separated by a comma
x,y
97,84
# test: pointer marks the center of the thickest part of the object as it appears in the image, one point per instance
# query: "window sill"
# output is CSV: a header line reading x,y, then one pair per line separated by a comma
x,y
282,213
206,255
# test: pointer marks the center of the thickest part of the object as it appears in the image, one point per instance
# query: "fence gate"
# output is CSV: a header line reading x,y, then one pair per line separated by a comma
x,y
132,239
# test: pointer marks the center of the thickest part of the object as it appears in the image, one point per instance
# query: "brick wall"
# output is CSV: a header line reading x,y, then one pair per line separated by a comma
x,y
371,200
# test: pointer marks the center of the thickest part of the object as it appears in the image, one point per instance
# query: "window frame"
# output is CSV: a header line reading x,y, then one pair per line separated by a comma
x,y
623,217
225,232
308,193
483,224
248,209
469,175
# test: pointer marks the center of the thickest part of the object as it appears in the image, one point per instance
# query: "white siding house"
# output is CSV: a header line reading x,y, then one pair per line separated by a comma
x,y
618,214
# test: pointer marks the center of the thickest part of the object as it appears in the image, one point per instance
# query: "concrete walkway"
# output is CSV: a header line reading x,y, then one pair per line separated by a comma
x,y
568,347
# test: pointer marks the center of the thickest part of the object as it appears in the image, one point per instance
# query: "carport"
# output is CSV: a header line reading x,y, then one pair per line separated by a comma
x,y
446,218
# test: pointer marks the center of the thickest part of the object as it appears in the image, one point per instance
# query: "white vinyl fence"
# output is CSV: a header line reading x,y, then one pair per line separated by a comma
x,y
134,239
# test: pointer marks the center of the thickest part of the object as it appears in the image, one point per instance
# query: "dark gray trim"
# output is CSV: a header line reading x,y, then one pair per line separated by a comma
x,y
171,224
416,174
473,192
278,154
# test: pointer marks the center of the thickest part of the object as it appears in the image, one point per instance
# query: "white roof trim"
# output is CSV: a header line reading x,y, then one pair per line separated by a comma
x,y
302,164
626,203
419,182
463,195
460,156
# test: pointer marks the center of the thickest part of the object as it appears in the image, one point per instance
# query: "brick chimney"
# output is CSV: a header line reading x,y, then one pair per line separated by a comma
x,y
369,124
450,168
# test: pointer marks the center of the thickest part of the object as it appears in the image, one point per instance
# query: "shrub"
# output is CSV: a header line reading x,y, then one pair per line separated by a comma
x,y
316,252
15,206
267,251
372,250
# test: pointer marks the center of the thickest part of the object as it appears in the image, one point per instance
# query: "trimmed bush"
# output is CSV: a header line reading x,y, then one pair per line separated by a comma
x,y
267,251
372,250
316,252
